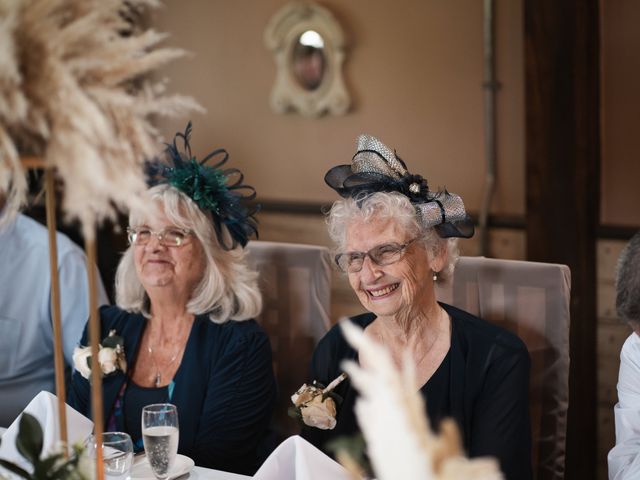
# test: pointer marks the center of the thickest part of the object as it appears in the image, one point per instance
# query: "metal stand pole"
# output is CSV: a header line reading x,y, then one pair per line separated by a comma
x,y
58,355
96,372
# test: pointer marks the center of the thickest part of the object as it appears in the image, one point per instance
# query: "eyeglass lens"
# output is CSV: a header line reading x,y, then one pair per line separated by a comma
x,y
382,255
168,237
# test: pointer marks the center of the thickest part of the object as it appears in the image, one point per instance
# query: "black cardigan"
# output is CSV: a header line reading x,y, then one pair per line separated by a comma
x,y
488,389
224,388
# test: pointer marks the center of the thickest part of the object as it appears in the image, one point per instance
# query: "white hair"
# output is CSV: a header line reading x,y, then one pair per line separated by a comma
x,y
391,205
228,289
628,283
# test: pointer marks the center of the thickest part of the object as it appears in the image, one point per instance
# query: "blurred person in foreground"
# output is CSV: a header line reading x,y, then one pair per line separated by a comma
x,y
396,240
26,318
183,330
624,458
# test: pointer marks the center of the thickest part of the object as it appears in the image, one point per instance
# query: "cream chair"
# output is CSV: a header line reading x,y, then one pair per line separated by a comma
x,y
295,281
531,300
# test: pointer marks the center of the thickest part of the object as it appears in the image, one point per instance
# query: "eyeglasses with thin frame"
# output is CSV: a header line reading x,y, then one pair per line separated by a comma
x,y
168,237
381,255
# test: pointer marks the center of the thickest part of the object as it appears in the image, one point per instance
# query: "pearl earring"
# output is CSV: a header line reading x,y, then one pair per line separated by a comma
x,y
435,276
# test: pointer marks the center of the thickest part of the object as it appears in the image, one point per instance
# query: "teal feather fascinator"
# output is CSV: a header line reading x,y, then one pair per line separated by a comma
x,y
216,190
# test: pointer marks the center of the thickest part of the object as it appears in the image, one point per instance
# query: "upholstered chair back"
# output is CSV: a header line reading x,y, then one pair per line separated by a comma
x,y
531,300
295,281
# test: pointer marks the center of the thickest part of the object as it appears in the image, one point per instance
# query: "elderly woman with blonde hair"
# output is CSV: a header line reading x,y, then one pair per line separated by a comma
x,y
395,240
183,327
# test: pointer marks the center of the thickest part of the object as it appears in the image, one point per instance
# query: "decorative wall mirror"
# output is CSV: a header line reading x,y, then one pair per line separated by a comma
x,y
308,47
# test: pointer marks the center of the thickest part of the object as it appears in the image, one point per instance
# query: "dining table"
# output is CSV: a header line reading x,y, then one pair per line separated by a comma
x,y
201,473
294,458
198,473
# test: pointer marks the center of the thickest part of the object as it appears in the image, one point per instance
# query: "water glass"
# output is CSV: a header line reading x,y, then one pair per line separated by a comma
x,y
160,436
117,454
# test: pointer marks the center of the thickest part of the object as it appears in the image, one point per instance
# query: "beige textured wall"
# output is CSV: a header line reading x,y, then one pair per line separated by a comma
x,y
414,69
620,112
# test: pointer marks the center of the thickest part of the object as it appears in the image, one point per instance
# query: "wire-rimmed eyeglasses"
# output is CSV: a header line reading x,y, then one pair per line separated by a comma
x,y
385,254
168,237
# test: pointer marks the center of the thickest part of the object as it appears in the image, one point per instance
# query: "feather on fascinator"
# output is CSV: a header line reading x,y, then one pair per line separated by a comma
x,y
376,168
216,191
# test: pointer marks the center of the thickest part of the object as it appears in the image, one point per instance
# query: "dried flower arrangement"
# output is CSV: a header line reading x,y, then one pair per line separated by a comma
x,y
76,90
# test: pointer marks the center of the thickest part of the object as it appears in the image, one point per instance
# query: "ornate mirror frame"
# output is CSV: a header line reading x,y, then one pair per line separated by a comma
x,y
281,36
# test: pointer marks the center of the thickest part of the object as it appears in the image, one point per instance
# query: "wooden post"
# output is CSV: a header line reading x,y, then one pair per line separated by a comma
x,y
58,353
563,186
32,163
96,372
94,322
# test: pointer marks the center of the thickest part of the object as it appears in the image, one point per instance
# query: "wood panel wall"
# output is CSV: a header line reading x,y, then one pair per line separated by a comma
x,y
563,186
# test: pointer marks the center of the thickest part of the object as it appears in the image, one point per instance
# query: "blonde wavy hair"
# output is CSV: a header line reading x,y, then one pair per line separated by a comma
x,y
384,205
228,289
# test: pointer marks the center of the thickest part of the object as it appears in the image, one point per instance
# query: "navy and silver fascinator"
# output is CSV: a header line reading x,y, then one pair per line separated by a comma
x,y
376,168
217,191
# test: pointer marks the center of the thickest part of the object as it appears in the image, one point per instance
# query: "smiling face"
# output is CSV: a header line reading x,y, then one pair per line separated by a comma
x,y
391,289
161,267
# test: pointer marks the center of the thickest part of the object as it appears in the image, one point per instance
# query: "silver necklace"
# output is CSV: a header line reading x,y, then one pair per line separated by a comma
x,y
182,344
158,376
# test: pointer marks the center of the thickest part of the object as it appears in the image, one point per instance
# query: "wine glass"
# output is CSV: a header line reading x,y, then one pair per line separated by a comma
x,y
117,454
160,437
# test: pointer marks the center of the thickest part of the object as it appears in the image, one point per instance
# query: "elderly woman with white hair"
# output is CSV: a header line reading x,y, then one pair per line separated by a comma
x,y
396,239
182,331
624,457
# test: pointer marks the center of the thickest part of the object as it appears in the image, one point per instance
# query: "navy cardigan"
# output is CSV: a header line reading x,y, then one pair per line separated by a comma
x,y
488,389
224,388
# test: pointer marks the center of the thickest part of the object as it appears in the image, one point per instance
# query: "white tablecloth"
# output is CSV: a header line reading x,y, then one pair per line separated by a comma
x,y
294,459
201,473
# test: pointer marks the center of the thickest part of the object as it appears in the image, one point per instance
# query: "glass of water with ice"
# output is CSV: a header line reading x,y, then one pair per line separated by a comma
x,y
160,437
117,454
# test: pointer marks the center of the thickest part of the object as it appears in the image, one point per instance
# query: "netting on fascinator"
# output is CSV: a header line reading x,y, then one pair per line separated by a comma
x,y
376,168
217,191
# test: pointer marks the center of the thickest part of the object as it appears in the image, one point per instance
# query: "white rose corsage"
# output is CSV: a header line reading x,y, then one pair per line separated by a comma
x,y
110,356
315,404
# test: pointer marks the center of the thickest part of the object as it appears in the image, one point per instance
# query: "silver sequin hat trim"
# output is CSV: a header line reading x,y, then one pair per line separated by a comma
x,y
377,168
444,204
374,156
